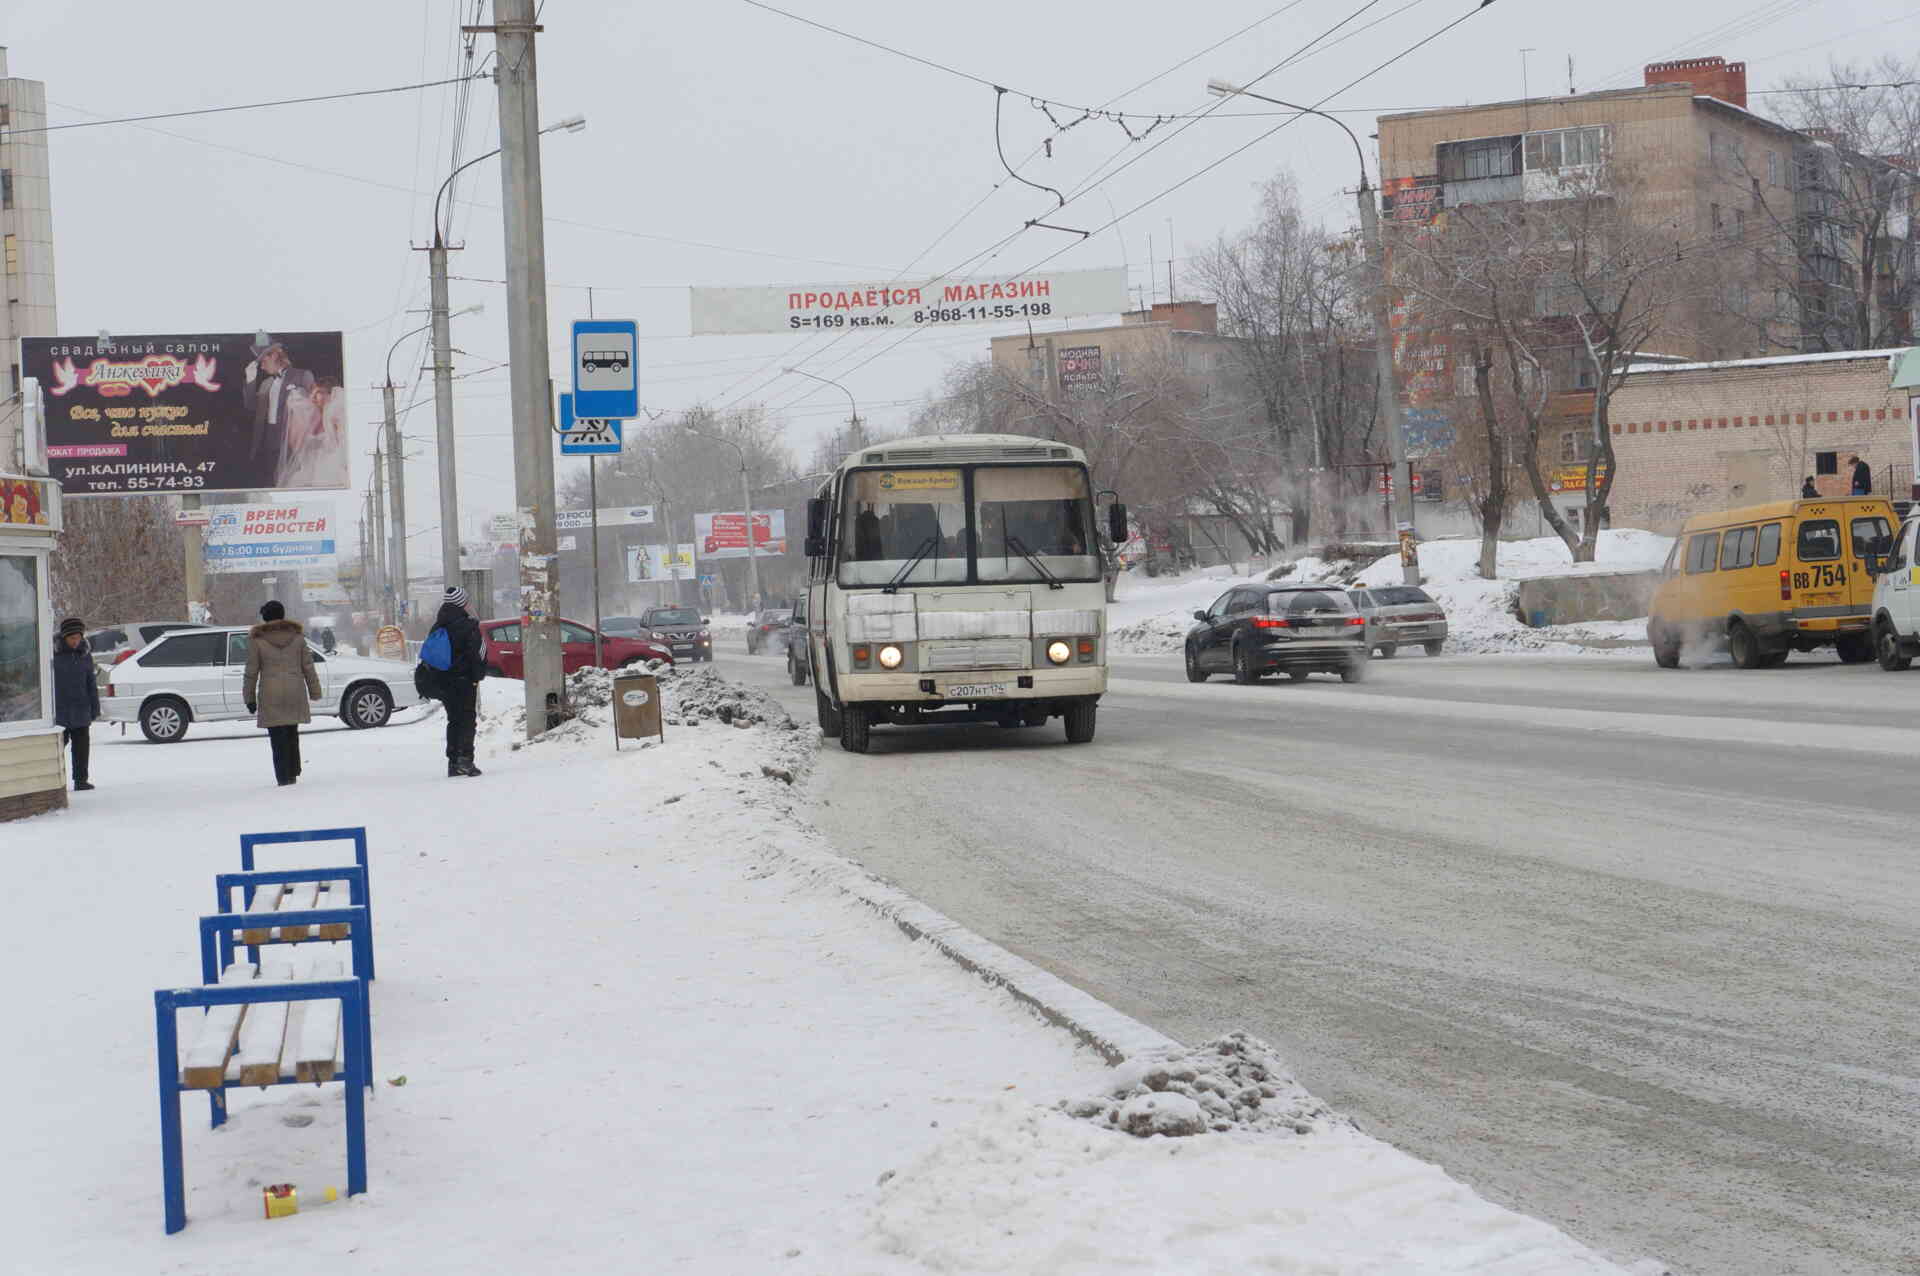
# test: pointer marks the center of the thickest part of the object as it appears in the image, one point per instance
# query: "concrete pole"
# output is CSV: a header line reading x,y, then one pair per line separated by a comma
x,y
400,574
198,609
753,559
443,414
1387,387
531,379
385,580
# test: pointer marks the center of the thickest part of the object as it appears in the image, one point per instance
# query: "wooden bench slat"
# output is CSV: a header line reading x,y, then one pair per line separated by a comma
x,y
339,895
206,1061
301,897
318,1045
256,1060
266,899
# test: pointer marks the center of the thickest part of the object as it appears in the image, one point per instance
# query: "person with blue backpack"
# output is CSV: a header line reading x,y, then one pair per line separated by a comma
x,y
452,663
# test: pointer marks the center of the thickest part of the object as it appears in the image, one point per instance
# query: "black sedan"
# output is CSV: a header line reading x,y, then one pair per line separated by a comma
x,y
1253,630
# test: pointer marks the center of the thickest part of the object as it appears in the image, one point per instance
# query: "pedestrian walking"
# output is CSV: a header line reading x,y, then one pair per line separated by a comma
x,y
279,682
1862,476
457,684
76,695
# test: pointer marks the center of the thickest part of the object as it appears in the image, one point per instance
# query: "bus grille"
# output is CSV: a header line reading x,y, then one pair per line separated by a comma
x,y
943,657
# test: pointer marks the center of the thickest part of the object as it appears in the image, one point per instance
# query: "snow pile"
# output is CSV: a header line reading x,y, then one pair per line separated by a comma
x,y
1234,1082
1153,617
695,696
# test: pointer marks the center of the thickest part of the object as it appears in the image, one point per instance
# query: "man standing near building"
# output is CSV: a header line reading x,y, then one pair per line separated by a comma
x,y
459,683
76,695
1862,476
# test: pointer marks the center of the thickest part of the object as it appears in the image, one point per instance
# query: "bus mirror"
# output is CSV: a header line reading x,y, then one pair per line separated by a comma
x,y
816,521
1117,523
815,547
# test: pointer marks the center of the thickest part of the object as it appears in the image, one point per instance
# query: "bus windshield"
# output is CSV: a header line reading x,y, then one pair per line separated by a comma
x,y
1025,523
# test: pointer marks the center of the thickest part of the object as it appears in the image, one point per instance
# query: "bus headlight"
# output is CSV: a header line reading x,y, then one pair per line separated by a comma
x,y
890,657
1059,652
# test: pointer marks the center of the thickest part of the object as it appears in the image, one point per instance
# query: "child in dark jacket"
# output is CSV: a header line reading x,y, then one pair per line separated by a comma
x,y
76,695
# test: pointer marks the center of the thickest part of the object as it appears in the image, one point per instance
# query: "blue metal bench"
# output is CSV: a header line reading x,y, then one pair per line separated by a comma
x,y
362,884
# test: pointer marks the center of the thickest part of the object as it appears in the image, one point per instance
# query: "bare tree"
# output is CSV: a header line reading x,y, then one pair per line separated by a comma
x,y
120,558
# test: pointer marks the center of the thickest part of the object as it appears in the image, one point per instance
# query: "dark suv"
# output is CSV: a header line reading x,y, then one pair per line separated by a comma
x,y
1253,630
682,629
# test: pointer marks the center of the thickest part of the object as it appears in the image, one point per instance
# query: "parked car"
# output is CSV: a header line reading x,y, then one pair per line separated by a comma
x,y
501,639
1252,630
196,674
115,642
768,626
1400,616
798,653
682,629
623,626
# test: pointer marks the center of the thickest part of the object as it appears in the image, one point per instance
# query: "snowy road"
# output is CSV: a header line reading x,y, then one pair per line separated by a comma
x,y
1630,951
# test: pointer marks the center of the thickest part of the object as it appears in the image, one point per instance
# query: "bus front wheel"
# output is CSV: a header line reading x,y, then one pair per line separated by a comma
x,y
1080,721
856,728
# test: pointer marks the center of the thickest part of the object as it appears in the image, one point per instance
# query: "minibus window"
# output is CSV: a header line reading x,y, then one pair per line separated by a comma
x,y
1819,541
1737,550
1702,550
1868,534
1769,552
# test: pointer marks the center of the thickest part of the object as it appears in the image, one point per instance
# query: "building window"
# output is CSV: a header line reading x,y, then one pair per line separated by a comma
x,y
1826,462
11,247
1773,168
20,628
6,188
1482,157
1719,223
1576,447
1566,148
1740,222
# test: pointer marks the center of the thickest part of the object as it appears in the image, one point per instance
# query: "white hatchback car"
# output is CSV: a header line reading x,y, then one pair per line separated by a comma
x,y
197,675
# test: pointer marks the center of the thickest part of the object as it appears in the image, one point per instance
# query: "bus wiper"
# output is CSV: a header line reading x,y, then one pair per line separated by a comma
x,y
1053,582
926,547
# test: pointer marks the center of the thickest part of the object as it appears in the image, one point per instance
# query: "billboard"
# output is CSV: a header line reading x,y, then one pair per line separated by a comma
x,y
929,303
193,412
658,562
1080,375
1412,199
725,535
264,538
578,520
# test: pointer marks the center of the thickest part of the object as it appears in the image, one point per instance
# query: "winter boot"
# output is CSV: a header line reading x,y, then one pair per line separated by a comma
x,y
454,770
467,767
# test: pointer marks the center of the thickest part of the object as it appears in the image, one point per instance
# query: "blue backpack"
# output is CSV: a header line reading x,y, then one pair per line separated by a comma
x,y
437,651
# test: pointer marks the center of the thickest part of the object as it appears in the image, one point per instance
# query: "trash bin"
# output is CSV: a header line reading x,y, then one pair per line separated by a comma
x,y
636,707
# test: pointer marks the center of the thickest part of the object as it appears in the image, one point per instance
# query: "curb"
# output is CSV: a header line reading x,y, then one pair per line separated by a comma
x,y
1114,1036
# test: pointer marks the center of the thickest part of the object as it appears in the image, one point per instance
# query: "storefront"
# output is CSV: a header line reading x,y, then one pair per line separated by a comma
x,y
32,771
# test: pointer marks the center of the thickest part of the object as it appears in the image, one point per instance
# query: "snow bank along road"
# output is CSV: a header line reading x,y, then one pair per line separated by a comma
x,y
1629,950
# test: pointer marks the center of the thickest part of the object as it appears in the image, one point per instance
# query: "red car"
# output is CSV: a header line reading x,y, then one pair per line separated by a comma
x,y
502,642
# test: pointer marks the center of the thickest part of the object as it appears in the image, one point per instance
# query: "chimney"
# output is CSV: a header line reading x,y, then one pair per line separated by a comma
x,y
1710,77
1188,316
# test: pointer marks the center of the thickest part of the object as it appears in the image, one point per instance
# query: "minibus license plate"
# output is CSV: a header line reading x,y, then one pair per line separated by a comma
x,y
973,690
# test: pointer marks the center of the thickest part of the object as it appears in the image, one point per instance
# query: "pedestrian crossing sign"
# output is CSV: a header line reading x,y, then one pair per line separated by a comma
x,y
587,436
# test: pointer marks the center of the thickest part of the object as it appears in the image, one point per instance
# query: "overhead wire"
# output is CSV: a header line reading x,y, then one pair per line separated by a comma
x,y
224,110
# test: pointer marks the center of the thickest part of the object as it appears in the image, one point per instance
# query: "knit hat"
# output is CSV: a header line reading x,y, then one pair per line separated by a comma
x,y
71,625
455,595
272,610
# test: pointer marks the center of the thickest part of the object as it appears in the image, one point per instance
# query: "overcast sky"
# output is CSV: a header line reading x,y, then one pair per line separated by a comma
x,y
729,145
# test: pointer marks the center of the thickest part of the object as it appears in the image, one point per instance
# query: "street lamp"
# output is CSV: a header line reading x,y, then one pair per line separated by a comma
x,y
443,366
852,407
1386,388
398,536
746,497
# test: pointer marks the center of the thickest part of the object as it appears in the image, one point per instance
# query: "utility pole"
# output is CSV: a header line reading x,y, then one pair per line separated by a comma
x,y
198,610
524,217
380,535
443,410
399,556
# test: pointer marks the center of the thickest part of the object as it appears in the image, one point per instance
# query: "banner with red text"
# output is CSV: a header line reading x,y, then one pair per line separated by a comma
x,y
192,412
906,303
725,535
271,535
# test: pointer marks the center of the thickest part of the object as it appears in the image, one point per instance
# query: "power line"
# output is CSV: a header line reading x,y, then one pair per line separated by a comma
x,y
223,110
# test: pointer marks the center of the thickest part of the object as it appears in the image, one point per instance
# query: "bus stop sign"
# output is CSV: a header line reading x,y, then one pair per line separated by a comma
x,y
606,368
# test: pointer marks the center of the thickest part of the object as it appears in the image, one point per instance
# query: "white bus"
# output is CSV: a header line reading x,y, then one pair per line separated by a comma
x,y
957,578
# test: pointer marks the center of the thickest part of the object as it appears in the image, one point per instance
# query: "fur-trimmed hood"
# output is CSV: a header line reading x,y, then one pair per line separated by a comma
x,y
278,632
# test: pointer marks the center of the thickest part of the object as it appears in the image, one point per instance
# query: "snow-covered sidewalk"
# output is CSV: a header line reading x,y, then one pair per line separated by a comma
x,y
617,1031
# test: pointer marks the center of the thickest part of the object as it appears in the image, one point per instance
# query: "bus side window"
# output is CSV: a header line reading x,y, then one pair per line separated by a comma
x,y
1769,552
1702,551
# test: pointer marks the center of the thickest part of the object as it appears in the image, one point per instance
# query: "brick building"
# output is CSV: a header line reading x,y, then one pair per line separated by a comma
x,y
26,243
1691,438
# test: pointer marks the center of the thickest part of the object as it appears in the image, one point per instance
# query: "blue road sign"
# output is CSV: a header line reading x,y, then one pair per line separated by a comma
x,y
586,436
606,368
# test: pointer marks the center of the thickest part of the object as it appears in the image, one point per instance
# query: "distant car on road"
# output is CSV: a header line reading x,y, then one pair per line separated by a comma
x,y
768,626
682,629
1253,630
197,674
1401,616
501,640
799,666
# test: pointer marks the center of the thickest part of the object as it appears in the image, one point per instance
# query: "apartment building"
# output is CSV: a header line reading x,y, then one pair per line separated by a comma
x,y
26,243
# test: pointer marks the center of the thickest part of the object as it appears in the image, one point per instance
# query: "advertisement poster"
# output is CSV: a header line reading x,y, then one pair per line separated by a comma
x,y
264,538
26,502
725,535
580,520
204,412
900,303
1573,478
1080,375
657,562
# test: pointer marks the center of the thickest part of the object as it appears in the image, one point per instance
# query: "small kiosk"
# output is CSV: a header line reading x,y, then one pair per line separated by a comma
x,y
32,770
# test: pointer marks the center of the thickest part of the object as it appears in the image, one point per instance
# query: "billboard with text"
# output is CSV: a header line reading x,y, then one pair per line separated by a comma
x,y
725,535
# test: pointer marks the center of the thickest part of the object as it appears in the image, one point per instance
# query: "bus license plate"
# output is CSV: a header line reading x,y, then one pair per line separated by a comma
x,y
974,690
